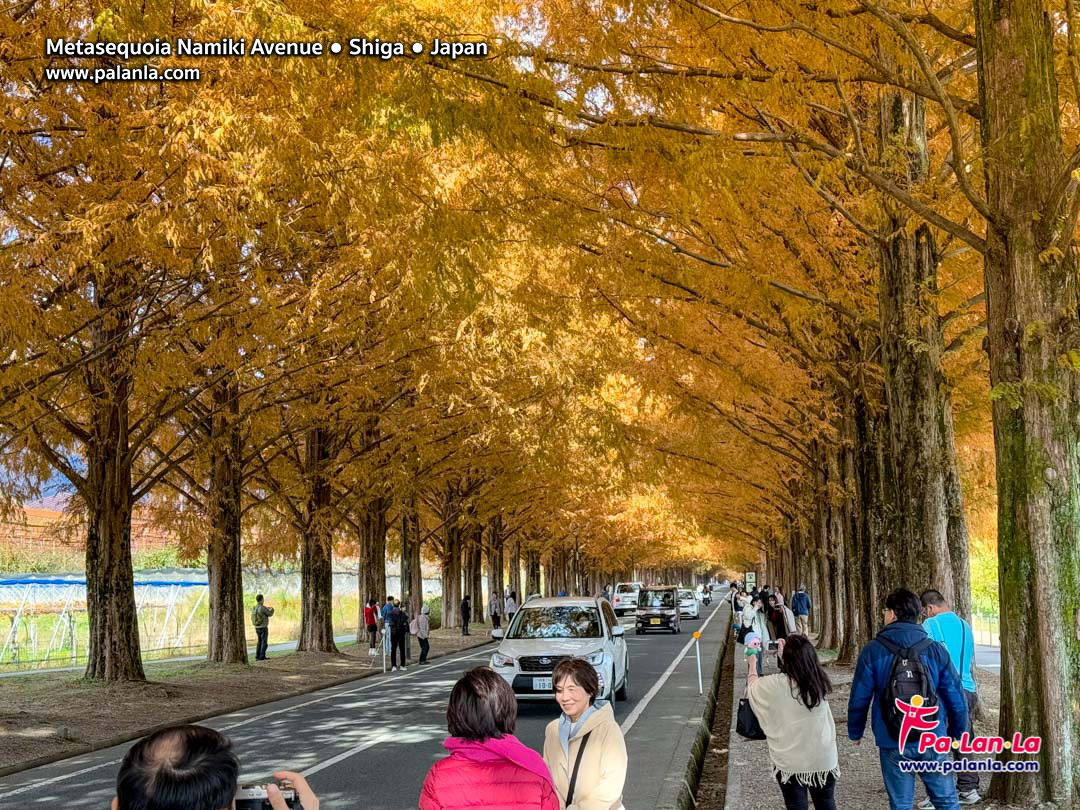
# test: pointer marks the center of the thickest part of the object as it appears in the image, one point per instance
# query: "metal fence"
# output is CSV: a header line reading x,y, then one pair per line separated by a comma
x,y
987,629
48,623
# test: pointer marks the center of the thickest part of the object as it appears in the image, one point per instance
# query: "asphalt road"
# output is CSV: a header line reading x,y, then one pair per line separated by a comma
x,y
370,743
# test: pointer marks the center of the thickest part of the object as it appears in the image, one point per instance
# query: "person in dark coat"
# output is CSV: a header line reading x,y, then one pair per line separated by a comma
x,y
466,615
399,631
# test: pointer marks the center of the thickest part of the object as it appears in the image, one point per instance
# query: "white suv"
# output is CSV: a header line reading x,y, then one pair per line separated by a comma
x,y
544,631
625,598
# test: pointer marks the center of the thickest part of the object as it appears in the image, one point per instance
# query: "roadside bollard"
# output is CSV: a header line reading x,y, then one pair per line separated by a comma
x,y
697,649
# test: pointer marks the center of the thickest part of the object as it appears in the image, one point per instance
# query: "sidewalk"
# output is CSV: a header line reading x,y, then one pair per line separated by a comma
x,y
751,785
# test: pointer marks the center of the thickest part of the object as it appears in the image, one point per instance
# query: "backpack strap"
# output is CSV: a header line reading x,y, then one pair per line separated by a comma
x,y
963,649
577,764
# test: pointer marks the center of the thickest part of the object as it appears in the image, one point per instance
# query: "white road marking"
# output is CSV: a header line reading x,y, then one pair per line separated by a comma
x,y
643,704
408,674
381,682
386,735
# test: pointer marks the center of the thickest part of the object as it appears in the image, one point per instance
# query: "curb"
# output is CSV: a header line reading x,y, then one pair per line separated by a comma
x,y
687,796
99,745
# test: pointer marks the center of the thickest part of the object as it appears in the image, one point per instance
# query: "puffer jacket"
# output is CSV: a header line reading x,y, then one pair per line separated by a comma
x,y
495,774
872,676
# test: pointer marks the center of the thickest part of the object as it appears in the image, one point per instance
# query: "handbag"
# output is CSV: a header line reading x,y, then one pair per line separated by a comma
x,y
741,633
747,724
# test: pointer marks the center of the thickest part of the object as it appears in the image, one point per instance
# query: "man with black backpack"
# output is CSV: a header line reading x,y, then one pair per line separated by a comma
x,y
901,662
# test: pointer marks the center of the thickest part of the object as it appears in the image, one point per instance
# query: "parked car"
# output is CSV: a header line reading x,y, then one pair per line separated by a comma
x,y
688,604
625,598
658,609
544,631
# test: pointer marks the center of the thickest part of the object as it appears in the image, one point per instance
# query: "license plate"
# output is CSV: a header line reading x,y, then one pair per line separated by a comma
x,y
541,684
654,621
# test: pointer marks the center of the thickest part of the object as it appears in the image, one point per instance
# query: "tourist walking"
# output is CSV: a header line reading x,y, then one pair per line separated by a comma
x,y
584,747
792,709
880,680
495,609
260,619
755,621
423,632
800,606
466,615
399,631
943,625
781,619
487,766
371,622
510,608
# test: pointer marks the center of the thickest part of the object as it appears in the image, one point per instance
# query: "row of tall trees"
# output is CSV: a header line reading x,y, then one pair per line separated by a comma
x,y
287,322
812,213
657,284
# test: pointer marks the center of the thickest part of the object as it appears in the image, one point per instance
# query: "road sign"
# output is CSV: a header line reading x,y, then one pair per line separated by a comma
x,y
751,579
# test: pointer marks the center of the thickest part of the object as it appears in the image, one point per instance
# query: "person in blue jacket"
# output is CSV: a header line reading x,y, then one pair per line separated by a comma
x,y
800,606
872,672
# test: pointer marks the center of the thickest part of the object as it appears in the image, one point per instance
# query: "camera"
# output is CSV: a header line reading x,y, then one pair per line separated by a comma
x,y
254,797
772,645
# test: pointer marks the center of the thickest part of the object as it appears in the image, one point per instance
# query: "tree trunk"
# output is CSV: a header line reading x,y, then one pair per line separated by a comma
x,y
372,552
114,653
477,571
227,641
412,578
532,573
495,558
451,558
1033,340
513,566
316,552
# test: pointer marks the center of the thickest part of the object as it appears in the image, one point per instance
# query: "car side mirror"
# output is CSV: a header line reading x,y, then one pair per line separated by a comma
x,y
618,630
496,633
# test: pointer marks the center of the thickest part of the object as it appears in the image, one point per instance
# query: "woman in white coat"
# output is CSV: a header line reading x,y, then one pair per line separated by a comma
x,y
584,748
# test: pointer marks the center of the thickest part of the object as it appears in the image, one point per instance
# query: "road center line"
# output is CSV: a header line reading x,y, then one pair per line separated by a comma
x,y
643,704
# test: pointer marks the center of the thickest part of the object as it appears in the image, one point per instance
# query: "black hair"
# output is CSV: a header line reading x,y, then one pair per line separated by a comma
x,y
580,672
178,768
481,706
932,597
800,663
259,598
904,604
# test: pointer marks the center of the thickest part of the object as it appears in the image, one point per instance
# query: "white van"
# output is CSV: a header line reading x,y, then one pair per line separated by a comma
x,y
625,598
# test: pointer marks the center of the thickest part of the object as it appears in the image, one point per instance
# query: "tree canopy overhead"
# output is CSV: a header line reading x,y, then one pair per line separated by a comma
x,y
655,286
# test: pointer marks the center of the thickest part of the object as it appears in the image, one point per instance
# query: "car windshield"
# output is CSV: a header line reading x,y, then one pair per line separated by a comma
x,y
625,589
686,595
559,621
657,599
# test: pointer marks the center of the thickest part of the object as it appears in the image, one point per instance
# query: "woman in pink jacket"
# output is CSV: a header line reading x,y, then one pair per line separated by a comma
x,y
488,767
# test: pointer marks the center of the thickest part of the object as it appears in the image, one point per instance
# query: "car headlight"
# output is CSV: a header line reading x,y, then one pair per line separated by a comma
x,y
595,658
671,612
500,660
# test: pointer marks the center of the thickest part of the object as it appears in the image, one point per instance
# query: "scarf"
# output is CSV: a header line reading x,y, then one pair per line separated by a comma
x,y
567,730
